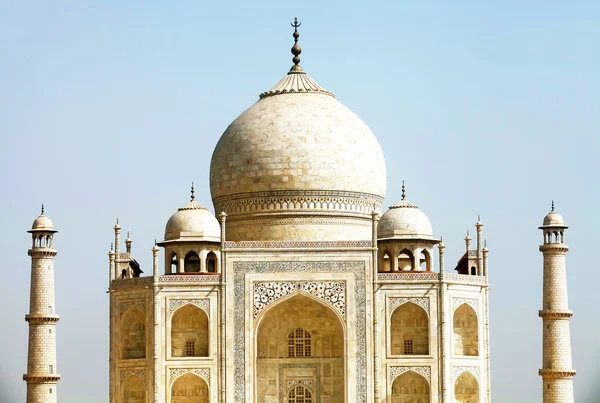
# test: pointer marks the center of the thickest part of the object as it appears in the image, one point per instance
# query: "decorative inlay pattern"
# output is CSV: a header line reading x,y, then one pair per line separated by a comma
x,y
296,245
141,305
131,282
139,372
203,304
465,278
396,371
333,292
472,302
408,276
317,384
240,269
307,383
395,302
192,278
456,371
203,373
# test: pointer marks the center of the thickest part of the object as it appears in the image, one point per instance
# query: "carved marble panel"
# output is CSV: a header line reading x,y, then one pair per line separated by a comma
x,y
396,371
472,302
203,304
203,373
395,302
139,372
456,371
141,305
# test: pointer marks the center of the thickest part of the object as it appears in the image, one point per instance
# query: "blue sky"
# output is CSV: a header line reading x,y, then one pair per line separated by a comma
x,y
112,108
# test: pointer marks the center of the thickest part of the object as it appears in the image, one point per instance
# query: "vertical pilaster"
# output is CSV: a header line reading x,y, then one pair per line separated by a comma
x,y
42,373
442,333
376,313
223,315
557,372
156,328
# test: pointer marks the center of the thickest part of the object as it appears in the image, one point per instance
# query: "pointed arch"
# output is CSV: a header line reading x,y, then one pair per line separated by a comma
x,y
466,388
191,263
386,261
189,332
410,387
132,331
133,390
425,260
211,262
405,260
409,330
466,331
174,263
321,332
189,388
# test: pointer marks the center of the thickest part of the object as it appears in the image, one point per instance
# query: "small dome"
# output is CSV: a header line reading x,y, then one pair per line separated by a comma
x,y
42,223
404,220
193,222
553,219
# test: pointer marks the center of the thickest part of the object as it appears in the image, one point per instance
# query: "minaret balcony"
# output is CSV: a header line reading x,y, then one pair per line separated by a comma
x,y
41,378
557,373
41,318
555,314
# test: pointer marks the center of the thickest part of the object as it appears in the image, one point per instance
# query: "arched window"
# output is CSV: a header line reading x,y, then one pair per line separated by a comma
x,y
555,239
123,273
473,271
409,330
189,332
466,338
191,263
386,263
405,260
299,344
410,387
133,334
133,390
211,263
425,260
299,394
174,263
189,388
466,388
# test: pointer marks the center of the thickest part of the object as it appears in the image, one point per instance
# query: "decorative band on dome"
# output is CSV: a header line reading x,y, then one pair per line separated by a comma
x,y
296,82
403,204
192,205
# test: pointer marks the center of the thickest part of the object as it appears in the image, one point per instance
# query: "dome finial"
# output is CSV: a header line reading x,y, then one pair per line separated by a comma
x,y
552,207
296,49
403,191
43,209
193,196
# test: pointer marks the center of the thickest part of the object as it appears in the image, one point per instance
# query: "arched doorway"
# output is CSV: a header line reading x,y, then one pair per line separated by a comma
x,y
191,263
133,390
132,329
300,341
409,330
410,387
466,337
189,388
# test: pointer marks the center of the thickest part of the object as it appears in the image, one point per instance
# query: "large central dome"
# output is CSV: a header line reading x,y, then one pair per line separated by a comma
x,y
295,156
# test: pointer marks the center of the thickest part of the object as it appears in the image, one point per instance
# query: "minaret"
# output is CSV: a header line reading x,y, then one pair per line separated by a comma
x,y
42,376
557,372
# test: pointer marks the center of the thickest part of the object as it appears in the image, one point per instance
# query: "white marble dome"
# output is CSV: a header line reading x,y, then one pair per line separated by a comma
x,y
193,222
404,220
42,223
298,136
553,219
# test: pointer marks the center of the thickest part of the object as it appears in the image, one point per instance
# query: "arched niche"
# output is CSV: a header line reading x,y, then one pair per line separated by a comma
x,y
386,262
211,262
405,260
189,332
133,390
466,337
189,388
425,260
174,263
315,331
299,394
409,330
132,331
466,388
191,262
410,387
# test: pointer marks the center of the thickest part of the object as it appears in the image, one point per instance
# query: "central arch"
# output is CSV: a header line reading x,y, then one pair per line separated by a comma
x,y
300,339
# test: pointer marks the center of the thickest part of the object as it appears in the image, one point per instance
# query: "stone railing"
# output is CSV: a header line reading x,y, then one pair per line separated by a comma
x,y
297,244
465,278
132,282
401,276
189,278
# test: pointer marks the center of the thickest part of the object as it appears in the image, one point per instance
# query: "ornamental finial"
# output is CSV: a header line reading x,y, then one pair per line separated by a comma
x,y
193,196
42,209
552,207
296,49
403,191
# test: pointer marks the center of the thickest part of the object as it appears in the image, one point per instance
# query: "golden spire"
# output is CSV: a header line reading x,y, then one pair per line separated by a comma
x,y
296,49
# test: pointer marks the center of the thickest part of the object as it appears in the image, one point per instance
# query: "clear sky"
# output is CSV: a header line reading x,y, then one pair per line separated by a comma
x,y
112,108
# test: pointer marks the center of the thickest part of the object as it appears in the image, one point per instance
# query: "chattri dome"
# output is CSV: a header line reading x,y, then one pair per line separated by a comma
x,y
297,150
194,223
42,223
404,220
553,219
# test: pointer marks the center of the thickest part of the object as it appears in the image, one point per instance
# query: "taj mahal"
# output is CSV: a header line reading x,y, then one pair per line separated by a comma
x,y
303,287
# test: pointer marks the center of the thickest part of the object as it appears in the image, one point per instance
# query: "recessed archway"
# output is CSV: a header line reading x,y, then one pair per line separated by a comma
x,y
409,330
405,260
297,339
191,262
133,390
132,329
189,332
466,388
410,387
466,337
189,388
